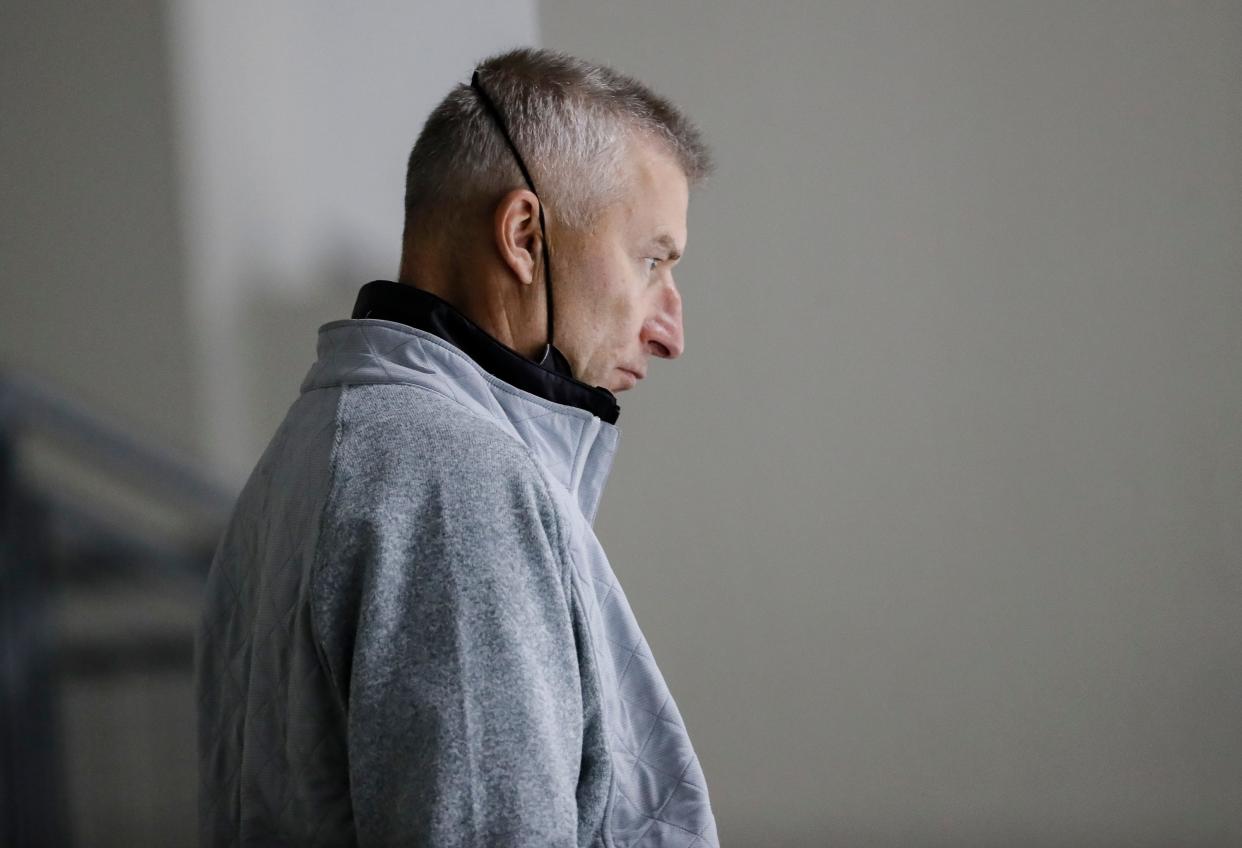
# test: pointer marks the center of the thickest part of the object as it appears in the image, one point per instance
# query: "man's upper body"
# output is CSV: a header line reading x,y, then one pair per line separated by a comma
x,y
411,634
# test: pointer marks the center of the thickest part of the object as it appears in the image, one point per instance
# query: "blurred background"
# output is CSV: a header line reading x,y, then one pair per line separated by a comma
x,y
936,528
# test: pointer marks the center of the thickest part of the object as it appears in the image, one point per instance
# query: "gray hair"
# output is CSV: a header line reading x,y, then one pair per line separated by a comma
x,y
571,120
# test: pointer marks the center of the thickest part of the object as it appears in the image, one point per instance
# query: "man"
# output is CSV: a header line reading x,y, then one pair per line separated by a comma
x,y
412,636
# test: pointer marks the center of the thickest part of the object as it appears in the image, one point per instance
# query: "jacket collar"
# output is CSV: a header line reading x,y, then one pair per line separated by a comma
x,y
573,446
422,310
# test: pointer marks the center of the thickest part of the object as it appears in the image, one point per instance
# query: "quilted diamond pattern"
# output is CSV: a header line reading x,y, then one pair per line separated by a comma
x,y
264,709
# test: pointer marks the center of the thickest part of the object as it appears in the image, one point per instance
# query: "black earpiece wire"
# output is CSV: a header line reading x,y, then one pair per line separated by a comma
x,y
530,183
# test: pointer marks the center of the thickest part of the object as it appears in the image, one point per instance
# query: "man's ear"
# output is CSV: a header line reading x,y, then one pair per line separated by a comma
x,y
517,235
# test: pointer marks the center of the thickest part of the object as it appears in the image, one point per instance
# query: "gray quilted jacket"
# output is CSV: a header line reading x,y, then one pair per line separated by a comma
x,y
412,635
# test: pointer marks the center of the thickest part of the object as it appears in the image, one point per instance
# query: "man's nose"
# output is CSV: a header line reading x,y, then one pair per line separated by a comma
x,y
663,334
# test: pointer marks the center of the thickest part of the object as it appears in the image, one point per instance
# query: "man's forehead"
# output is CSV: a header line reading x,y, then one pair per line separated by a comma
x,y
657,198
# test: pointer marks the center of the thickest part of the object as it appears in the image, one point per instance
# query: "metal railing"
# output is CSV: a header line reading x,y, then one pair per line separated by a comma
x,y
55,545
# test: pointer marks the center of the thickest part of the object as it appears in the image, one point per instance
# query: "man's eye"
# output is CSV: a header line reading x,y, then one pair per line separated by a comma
x,y
652,262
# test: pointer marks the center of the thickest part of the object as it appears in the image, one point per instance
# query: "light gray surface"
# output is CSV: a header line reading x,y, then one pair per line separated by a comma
x,y
91,298
936,526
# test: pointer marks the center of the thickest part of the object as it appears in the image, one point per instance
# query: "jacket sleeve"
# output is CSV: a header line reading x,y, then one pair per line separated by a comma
x,y
444,619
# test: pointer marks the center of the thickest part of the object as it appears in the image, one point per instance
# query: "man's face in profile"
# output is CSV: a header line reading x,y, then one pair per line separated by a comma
x,y
620,306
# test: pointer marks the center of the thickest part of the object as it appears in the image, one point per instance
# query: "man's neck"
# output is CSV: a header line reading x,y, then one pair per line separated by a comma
x,y
485,295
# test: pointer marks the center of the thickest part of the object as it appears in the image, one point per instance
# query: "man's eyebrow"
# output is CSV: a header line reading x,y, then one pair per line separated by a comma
x,y
665,241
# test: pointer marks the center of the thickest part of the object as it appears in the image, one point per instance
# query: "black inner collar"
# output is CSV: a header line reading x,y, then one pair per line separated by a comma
x,y
424,311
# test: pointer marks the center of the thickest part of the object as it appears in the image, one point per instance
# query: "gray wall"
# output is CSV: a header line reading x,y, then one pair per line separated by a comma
x,y
91,291
935,528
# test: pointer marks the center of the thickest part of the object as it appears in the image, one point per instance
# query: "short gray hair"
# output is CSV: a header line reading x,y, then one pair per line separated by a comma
x,y
571,120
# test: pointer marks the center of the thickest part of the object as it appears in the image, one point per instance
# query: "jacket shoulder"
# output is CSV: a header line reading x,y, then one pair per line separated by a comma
x,y
409,462
404,439
397,417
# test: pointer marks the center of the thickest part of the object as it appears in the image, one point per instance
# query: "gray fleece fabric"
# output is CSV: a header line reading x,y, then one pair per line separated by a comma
x,y
411,634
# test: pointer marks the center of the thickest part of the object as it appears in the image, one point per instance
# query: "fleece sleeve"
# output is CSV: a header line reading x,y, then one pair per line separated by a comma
x,y
444,619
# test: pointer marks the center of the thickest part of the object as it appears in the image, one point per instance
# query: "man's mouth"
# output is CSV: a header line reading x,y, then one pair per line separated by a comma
x,y
634,377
